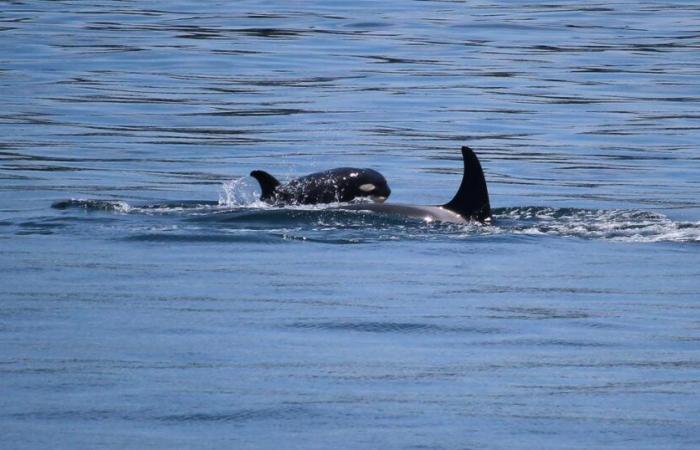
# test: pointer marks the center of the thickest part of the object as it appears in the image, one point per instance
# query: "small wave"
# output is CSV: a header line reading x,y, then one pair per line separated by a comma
x,y
615,225
121,206
240,415
93,205
391,327
256,238
303,216
327,223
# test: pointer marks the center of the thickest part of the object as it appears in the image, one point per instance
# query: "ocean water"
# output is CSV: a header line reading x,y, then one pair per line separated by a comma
x,y
147,300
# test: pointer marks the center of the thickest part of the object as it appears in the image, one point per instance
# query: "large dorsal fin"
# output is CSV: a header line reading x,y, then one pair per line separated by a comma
x,y
268,183
472,198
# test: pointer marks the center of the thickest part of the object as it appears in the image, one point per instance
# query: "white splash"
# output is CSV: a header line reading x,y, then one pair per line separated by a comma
x,y
613,225
240,192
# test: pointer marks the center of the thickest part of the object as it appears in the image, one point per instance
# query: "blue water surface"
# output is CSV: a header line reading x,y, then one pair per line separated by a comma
x,y
159,305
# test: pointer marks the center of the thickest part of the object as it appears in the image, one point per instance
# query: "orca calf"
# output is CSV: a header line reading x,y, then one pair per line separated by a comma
x,y
471,203
335,185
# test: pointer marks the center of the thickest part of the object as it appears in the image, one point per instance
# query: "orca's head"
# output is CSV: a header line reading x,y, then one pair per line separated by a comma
x,y
371,184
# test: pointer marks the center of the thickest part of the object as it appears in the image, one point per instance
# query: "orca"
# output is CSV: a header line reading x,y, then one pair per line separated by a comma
x,y
343,184
470,203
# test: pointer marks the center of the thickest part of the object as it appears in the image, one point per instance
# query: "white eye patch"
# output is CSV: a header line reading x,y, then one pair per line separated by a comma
x,y
367,187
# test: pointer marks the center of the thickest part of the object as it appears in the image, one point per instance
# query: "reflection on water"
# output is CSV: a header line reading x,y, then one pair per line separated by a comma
x,y
143,316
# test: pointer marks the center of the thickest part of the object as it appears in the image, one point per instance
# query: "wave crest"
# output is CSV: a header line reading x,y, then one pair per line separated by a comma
x,y
616,224
321,222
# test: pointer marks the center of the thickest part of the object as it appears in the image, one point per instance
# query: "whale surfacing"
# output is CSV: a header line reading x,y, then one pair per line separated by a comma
x,y
343,184
470,203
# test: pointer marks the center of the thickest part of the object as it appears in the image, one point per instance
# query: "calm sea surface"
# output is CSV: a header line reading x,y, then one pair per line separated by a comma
x,y
162,307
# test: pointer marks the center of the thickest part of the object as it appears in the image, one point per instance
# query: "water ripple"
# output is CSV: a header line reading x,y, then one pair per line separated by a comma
x,y
321,224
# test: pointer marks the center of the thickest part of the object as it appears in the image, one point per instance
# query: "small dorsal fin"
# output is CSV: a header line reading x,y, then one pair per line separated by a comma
x,y
268,183
472,198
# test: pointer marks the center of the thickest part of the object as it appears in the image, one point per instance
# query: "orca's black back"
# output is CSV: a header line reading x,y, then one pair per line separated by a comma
x,y
341,184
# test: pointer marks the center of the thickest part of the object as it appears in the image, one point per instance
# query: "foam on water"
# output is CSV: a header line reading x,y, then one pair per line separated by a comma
x,y
326,222
616,225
